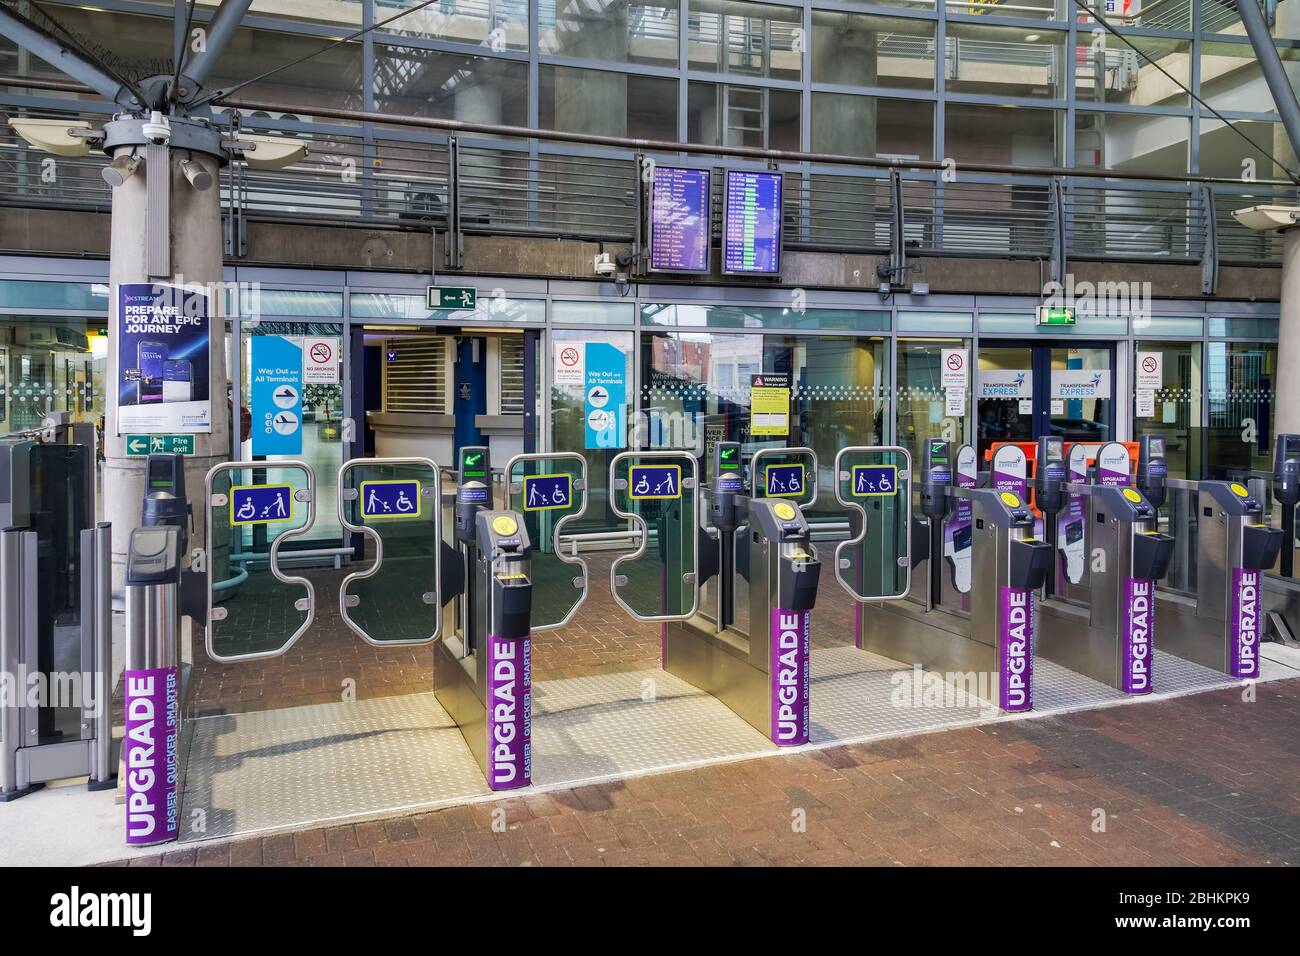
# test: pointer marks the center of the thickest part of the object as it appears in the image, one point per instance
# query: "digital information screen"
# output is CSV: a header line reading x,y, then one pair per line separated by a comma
x,y
751,236
679,220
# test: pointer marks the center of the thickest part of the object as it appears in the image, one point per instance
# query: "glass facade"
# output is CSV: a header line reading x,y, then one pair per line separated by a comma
x,y
1025,83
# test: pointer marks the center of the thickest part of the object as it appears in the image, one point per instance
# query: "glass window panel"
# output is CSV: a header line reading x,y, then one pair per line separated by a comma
x,y
1080,419
51,364
1001,418
1020,10
872,126
473,89
625,31
607,103
330,78
1240,379
1107,70
754,39
593,313
340,12
921,406
1253,327
730,115
258,302
1248,146
1016,135
1131,142
861,50
383,305
1170,325
761,317
77,296
1005,61
1172,15
1231,77
501,25
1176,412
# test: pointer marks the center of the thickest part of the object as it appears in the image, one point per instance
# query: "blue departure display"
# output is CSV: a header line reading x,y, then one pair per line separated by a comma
x,y
679,220
751,241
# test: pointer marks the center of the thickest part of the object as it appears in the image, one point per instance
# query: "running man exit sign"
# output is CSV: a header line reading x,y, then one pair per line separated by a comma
x,y
1054,316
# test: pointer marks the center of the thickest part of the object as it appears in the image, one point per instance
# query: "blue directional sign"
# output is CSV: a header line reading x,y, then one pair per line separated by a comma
x,y
261,504
382,500
547,492
783,481
872,481
654,481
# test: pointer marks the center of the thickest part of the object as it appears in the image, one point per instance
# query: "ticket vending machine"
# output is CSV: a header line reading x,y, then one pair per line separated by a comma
x,y
1008,566
1107,632
759,668
1220,625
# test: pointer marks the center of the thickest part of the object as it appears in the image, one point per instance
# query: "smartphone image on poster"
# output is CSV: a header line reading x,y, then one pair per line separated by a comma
x,y
151,358
178,383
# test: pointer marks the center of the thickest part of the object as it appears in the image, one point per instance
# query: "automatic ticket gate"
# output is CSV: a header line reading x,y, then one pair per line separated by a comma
x,y
975,562
753,655
55,614
1220,626
516,581
1099,619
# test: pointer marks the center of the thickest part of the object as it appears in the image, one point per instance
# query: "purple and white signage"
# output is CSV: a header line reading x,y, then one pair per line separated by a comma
x,y
1011,470
1016,649
1114,465
1138,633
149,755
957,531
1243,619
510,712
789,677
1071,525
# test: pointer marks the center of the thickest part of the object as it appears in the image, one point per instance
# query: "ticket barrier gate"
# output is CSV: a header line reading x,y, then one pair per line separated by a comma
x,y
1102,624
55,615
1281,594
994,633
516,581
757,664
1220,625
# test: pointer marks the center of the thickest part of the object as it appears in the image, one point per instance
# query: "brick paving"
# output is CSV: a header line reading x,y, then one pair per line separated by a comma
x,y
1199,780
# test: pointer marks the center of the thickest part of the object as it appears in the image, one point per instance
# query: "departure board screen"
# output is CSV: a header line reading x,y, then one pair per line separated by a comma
x,y
751,238
679,220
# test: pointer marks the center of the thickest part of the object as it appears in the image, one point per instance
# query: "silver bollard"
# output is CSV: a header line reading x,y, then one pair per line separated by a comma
x,y
151,684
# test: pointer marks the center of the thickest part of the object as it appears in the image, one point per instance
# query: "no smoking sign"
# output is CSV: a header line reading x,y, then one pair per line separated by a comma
x,y
320,361
570,363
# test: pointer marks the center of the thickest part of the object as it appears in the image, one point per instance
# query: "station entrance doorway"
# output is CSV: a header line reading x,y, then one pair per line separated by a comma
x,y
1025,392
429,391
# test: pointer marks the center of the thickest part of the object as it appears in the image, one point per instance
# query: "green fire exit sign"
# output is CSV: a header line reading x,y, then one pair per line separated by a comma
x,y
451,297
1052,316
137,446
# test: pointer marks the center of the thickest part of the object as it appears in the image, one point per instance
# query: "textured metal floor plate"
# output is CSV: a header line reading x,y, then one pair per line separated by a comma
x,y
308,765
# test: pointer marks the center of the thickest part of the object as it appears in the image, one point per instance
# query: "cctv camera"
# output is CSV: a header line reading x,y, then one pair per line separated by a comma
x,y
199,177
604,265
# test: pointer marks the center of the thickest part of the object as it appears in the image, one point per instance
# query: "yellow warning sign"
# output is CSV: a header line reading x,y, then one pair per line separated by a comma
x,y
769,404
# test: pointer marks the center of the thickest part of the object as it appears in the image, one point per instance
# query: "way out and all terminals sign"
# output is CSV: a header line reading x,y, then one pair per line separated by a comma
x,y
451,297
390,499
261,504
654,481
138,446
547,492
783,481
875,480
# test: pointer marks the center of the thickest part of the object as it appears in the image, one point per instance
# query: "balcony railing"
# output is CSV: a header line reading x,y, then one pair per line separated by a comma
x,y
426,180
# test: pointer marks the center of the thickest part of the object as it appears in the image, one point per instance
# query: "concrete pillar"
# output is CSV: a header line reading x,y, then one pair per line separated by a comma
x,y
1286,402
196,255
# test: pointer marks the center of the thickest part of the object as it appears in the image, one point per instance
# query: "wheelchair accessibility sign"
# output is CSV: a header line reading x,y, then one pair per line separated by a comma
x,y
654,482
260,504
393,499
783,481
875,481
547,492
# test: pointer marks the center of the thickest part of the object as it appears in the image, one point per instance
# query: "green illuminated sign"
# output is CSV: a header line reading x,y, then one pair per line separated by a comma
x,y
451,297
1051,316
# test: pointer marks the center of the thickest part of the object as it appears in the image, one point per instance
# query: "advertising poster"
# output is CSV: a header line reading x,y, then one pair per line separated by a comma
x,y
605,382
275,384
162,343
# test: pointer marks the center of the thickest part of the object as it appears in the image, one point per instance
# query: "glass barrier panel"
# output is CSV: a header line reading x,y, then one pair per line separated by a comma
x,y
875,484
659,492
256,608
550,491
789,473
1178,517
394,504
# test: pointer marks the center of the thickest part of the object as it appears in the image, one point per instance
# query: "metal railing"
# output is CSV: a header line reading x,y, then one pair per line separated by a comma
x,y
431,180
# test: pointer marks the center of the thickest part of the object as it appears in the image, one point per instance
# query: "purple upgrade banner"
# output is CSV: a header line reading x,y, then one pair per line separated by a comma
x,y
149,755
1244,621
510,712
1016,649
789,677
1138,635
